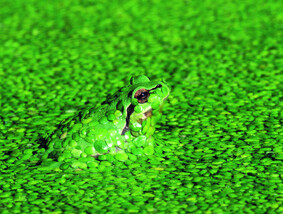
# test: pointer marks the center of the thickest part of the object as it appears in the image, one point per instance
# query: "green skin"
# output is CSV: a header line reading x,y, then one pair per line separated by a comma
x,y
121,127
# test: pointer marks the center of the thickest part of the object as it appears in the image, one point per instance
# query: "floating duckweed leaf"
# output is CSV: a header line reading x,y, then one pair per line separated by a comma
x,y
121,156
149,150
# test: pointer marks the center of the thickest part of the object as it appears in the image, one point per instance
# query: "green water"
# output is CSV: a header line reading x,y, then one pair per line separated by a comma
x,y
219,140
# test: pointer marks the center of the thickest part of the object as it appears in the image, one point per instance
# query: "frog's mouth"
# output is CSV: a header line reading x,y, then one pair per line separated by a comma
x,y
130,111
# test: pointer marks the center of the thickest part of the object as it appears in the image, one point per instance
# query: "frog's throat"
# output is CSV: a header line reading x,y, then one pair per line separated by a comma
x,y
130,111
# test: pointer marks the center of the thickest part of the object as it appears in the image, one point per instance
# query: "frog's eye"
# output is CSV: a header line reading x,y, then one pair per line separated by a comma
x,y
142,95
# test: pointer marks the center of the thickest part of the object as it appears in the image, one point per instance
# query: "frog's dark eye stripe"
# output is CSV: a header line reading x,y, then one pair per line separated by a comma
x,y
130,110
142,95
158,86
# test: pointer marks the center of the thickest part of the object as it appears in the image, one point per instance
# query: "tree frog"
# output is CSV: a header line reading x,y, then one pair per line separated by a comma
x,y
120,128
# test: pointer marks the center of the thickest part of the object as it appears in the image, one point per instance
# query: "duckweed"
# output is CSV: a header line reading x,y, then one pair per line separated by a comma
x,y
218,145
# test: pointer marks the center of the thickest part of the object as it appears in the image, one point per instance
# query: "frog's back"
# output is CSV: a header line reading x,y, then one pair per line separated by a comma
x,y
86,134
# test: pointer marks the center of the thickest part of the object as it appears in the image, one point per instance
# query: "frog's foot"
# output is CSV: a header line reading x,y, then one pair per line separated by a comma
x,y
117,149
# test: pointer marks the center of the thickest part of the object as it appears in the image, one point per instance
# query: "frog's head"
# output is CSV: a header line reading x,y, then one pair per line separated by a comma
x,y
146,99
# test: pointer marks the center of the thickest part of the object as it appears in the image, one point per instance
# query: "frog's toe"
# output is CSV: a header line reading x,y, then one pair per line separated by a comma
x,y
117,149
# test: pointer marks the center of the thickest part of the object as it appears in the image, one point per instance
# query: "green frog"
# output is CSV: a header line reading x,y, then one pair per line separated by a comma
x,y
120,128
